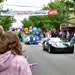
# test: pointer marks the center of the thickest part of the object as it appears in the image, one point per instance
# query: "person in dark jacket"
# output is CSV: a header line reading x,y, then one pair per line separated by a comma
x,y
54,33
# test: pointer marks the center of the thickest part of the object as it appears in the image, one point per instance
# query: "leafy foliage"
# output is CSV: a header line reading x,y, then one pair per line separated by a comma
x,y
52,21
1,1
6,21
27,23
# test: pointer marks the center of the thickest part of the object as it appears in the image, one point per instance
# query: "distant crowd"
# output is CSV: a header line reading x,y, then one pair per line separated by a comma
x,y
37,32
48,33
61,34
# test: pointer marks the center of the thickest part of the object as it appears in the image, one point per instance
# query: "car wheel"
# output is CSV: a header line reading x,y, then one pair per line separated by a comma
x,y
44,48
72,49
49,50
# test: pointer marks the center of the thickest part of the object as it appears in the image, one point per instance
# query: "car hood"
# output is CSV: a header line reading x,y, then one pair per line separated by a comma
x,y
60,44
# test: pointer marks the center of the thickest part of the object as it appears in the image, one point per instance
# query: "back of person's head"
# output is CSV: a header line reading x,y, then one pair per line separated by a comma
x,y
1,31
10,42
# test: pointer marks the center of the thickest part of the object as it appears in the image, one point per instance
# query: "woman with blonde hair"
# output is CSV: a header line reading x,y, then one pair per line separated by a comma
x,y
11,60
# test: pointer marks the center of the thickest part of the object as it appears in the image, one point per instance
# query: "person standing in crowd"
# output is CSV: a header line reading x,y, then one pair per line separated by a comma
x,y
11,60
64,35
19,35
54,33
44,34
73,37
31,38
68,36
60,34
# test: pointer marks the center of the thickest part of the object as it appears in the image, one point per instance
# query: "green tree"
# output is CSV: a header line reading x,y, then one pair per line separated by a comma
x,y
71,5
27,23
1,1
52,21
39,21
6,21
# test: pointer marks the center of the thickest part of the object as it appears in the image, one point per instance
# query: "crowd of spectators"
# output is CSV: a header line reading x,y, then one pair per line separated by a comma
x,y
61,34
48,33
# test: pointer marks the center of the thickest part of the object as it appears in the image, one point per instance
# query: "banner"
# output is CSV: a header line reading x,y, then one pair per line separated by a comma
x,y
31,13
52,12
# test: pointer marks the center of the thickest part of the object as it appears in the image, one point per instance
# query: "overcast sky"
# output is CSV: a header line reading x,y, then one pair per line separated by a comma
x,y
37,3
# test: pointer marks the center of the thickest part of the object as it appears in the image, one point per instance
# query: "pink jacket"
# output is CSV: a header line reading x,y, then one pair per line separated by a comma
x,y
14,65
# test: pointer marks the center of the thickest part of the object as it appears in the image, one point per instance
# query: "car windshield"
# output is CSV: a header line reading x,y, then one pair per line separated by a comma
x,y
56,40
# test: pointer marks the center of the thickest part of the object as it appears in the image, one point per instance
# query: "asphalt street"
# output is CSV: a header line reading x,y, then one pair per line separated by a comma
x,y
49,64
